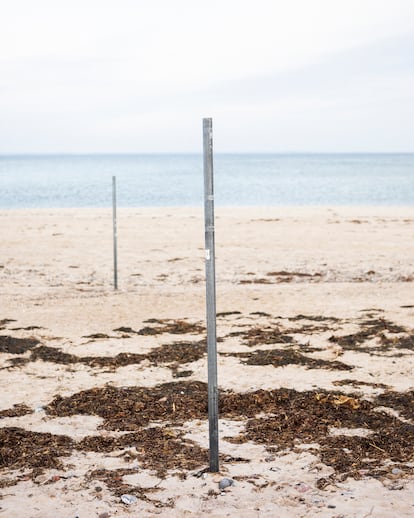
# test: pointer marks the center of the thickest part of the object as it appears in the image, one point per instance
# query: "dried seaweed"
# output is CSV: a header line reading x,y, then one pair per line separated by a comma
x,y
133,407
306,417
175,327
18,361
401,401
12,345
370,329
97,336
381,324
53,355
286,403
281,358
263,336
28,328
158,448
356,383
405,342
175,354
284,276
178,353
114,481
291,418
255,281
125,330
6,321
350,455
20,448
308,329
315,318
16,411
182,374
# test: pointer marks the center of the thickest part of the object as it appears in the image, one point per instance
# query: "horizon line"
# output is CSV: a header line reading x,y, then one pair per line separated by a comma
x,y
149,153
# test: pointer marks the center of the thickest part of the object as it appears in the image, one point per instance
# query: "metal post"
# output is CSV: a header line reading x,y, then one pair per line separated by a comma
x,y
210,293
114,232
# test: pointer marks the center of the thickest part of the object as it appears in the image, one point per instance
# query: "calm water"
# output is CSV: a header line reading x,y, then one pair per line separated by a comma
x,y
177,180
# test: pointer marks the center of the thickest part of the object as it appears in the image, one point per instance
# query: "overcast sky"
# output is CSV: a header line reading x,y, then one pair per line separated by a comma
x,y
139,75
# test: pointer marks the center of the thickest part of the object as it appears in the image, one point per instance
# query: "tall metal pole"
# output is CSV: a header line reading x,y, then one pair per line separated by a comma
x,y
114,232
210,294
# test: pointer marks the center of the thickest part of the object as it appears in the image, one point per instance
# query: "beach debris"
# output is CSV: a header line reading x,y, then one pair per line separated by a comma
x,y
201,473
17,410
175,327
46,479
28,328
284,276
228,313
123,329
41,479
338,400
129,499
396,486
403,402
12,345
174,354
372,328
182,374
283,357
357,383
97,336
265,335
279,419
302,487
21,448
5,321
225,482
129,408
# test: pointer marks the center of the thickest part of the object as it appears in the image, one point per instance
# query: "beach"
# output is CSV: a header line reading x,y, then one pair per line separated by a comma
x,y
104,391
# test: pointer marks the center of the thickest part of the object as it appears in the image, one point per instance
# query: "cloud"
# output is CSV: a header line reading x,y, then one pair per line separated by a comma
x,y
138,76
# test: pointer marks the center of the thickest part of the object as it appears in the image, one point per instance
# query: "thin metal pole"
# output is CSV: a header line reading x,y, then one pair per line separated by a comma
x,y
114,232
210,294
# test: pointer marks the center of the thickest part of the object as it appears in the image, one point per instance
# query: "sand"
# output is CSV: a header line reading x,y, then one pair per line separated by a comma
x,y
291,284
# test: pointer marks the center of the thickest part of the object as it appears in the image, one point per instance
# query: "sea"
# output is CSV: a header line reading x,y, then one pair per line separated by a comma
x,y
168,180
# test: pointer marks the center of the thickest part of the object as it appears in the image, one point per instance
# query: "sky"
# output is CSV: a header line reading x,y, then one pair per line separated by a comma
x,y
138,76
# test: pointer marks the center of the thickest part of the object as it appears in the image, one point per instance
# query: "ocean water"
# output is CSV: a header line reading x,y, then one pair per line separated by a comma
x,y
48,181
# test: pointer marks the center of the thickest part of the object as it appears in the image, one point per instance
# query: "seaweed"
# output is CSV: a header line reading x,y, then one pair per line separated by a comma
x,y
281,358
12,345
262,336
401,401
20,448
307,418
131,408
370,329
16,411
175,354
158,448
